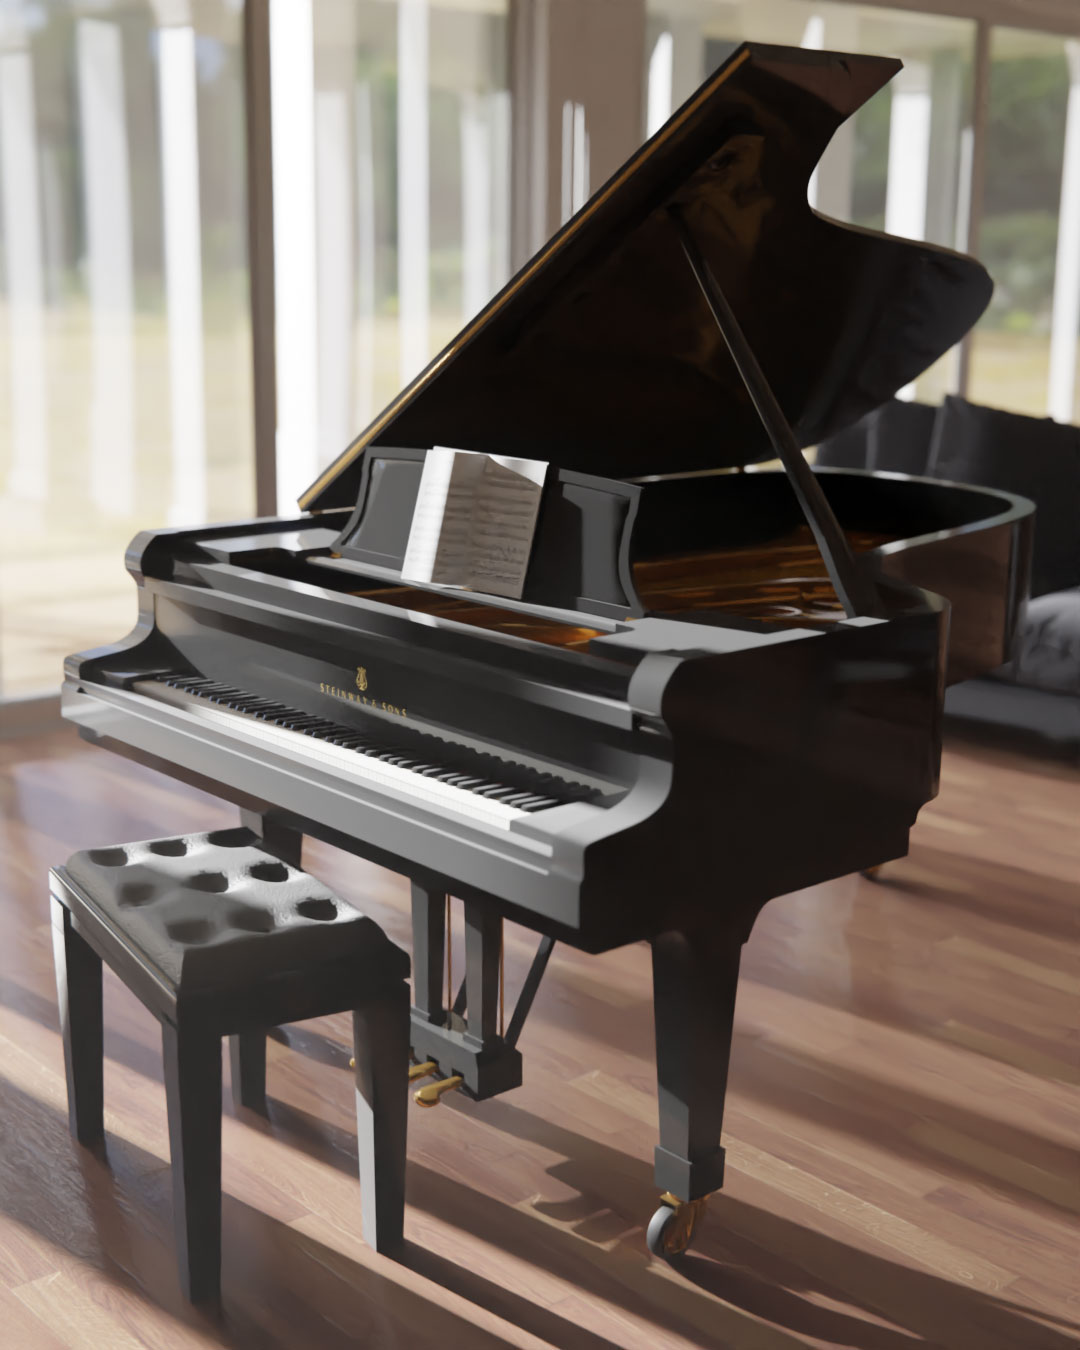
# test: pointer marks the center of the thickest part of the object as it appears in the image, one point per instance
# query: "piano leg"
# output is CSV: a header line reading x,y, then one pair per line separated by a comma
x,y
695,976
281,840
247,1051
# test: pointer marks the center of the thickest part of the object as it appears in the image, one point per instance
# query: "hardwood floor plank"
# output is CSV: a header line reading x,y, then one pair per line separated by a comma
x,y
1006,1051
22,1328
86,1310
900,1128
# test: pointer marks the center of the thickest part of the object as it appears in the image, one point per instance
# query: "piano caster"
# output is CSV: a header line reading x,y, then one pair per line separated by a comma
x,y
671,1228
433,1094
424,1070
872,873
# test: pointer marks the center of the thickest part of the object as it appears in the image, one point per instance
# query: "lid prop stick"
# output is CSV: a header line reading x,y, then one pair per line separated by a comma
x,y
854,588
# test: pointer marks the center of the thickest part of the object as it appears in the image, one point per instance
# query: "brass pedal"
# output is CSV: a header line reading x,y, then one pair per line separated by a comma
x,y
433,1094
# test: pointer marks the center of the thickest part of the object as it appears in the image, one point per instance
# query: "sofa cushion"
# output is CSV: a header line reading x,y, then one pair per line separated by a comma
x,y
900,436
895,437
1034,457
1048,650
847,449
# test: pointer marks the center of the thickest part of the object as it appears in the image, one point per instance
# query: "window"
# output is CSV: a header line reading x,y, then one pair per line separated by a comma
x,y
1024,354
391,156
125,366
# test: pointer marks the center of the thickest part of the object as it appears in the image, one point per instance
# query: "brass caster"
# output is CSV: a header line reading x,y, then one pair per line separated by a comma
x,y
424,1070
872,873
433,1094
671,1228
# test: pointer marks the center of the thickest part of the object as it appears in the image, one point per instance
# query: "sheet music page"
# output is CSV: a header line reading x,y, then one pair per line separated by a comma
x,y
474,521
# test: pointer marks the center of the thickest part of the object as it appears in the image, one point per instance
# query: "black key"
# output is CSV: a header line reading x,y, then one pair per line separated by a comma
x,y
474,779
318,729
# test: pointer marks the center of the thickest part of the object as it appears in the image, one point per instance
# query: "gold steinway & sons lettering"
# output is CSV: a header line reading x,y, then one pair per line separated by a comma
x,y
350,696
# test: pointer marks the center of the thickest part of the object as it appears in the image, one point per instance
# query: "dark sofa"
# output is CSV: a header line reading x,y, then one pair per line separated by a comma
x,y
1038,692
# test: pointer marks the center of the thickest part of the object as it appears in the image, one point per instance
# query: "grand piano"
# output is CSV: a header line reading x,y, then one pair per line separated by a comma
x,y
718,686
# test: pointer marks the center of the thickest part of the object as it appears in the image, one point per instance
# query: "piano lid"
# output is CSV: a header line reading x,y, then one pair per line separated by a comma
x,y
600,355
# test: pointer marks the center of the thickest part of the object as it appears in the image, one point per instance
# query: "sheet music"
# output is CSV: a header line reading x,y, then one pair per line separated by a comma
x,y
474,521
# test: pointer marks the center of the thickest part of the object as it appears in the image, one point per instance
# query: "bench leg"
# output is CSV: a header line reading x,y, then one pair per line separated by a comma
x,y
381,1041
193,1092
78,996
247,1062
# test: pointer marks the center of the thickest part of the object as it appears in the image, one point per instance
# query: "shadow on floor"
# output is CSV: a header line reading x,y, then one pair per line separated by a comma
x,y
755,1262
748,1263
111,1208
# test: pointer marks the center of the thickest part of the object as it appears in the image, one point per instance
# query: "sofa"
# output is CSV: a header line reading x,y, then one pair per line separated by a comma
x,y
1036,696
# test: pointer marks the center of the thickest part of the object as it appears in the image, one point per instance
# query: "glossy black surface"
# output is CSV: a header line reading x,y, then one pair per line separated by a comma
x,y
738,760
601,354
702,737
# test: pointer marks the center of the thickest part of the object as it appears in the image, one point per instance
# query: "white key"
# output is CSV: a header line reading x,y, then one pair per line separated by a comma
x,y
363,767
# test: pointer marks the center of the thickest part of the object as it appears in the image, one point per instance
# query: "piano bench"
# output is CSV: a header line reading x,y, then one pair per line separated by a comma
x,y
219,937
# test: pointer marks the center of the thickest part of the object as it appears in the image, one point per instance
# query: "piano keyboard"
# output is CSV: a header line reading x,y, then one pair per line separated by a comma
x,y
424,766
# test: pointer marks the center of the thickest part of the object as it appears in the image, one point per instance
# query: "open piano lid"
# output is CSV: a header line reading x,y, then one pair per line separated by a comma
x,y
601,355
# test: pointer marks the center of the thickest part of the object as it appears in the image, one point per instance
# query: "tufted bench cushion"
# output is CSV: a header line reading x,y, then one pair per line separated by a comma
x,y
218,936
217,908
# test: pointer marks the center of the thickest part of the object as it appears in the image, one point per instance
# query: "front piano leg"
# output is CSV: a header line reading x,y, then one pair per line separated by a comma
x,y
695,976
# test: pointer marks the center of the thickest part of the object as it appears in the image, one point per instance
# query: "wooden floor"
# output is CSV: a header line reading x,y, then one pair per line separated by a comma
x,y
901,1124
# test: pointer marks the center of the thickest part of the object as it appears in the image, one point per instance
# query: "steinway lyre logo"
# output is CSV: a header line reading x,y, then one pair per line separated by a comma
x,y
360,695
